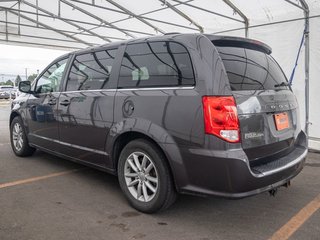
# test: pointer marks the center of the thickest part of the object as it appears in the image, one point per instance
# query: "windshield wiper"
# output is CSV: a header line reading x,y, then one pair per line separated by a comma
x,y
282,84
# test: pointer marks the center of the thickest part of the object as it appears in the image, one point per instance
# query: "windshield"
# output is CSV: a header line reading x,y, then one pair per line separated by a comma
x,y
249,69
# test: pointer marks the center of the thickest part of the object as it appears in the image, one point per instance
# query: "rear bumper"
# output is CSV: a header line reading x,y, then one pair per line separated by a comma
x,y
233,177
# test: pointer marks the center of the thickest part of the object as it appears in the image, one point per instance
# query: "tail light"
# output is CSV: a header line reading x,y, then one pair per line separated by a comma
x,y
221,117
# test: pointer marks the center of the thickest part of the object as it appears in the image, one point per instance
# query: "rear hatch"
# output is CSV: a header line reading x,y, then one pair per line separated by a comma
x,y
267,108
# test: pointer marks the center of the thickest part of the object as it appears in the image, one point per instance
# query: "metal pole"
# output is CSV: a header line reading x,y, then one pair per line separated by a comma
x,y
130,13
142,15
266,24
182,14
19,28
75,21
68,22
307,62
26,73
242,15
294,4
206,10
37,13
51,28
97,18
7,38
42,28
59,8
24,43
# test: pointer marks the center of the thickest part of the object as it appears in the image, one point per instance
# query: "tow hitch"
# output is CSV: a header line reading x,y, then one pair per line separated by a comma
x,y
274,191
287,184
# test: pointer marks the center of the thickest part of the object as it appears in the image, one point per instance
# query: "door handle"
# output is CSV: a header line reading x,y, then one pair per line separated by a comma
x,y
65,102
52,101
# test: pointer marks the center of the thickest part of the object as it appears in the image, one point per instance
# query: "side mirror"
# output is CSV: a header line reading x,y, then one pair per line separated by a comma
x,y
25,86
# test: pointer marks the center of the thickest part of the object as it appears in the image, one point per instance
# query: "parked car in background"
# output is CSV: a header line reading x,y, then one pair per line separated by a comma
x,y
14,93
4,95
179,113
6,91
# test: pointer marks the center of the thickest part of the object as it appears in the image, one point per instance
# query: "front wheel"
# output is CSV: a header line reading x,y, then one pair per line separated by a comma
x,y
18,137
144,177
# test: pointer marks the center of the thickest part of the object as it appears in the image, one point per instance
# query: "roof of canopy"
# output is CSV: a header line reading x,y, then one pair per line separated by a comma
x,y
75,24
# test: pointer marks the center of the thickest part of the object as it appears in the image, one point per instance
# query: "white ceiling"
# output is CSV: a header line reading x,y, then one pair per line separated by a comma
x,y
73,24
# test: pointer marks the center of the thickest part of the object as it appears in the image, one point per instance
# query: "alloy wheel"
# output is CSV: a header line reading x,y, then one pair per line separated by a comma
x,y
17,136
141,176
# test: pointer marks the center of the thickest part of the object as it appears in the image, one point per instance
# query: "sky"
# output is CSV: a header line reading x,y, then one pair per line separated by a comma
x,y
15,59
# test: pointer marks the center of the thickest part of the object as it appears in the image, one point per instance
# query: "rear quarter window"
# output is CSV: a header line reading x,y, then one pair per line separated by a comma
x,y
156,64
249,69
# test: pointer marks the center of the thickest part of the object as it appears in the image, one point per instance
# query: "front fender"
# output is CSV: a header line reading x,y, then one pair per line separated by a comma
x,y
18,108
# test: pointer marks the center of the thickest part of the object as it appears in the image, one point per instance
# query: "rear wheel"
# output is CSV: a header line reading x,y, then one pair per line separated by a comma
x,y
144,177
19,141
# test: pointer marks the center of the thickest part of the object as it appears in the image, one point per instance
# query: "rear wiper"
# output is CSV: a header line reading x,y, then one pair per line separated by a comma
x,y
282,84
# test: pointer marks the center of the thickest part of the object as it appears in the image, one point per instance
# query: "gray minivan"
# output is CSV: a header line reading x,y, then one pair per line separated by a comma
x,y
178,113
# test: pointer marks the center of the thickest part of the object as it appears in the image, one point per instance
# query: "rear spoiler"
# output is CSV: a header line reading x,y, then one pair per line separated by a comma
x,y
226,41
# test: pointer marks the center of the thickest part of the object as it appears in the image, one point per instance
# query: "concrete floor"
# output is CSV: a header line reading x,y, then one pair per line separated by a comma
x,y
88,204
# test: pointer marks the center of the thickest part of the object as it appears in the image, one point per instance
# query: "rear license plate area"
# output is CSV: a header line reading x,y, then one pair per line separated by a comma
x,y
281,121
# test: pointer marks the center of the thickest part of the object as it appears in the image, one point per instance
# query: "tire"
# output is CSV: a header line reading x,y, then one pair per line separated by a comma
x,y
19,140
157,190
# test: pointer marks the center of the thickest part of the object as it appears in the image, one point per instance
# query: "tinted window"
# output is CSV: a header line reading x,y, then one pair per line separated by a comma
x,y
91,71
51,79
250,69
156,64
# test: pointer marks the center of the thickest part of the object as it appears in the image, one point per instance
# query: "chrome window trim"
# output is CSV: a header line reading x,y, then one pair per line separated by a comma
x,y
132,89
156,88
93,90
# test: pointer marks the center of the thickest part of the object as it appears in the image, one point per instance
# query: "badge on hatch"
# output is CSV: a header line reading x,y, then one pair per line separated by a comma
x,y
281,120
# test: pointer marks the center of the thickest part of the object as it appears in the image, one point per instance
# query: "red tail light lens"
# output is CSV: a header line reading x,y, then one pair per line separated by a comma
x,y
221,117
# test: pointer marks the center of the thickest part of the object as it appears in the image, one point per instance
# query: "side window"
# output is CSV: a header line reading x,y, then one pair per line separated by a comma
x,y
91,70
156,64
51,79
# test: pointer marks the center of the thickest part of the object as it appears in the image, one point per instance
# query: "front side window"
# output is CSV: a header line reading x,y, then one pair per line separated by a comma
x,y
51,79
91,71
156,64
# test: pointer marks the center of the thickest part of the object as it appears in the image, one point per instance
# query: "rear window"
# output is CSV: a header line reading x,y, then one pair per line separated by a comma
x,y
156,64
249,69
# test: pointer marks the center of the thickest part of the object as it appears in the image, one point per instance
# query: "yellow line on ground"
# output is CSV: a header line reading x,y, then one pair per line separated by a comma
x,y
297,221
34,179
